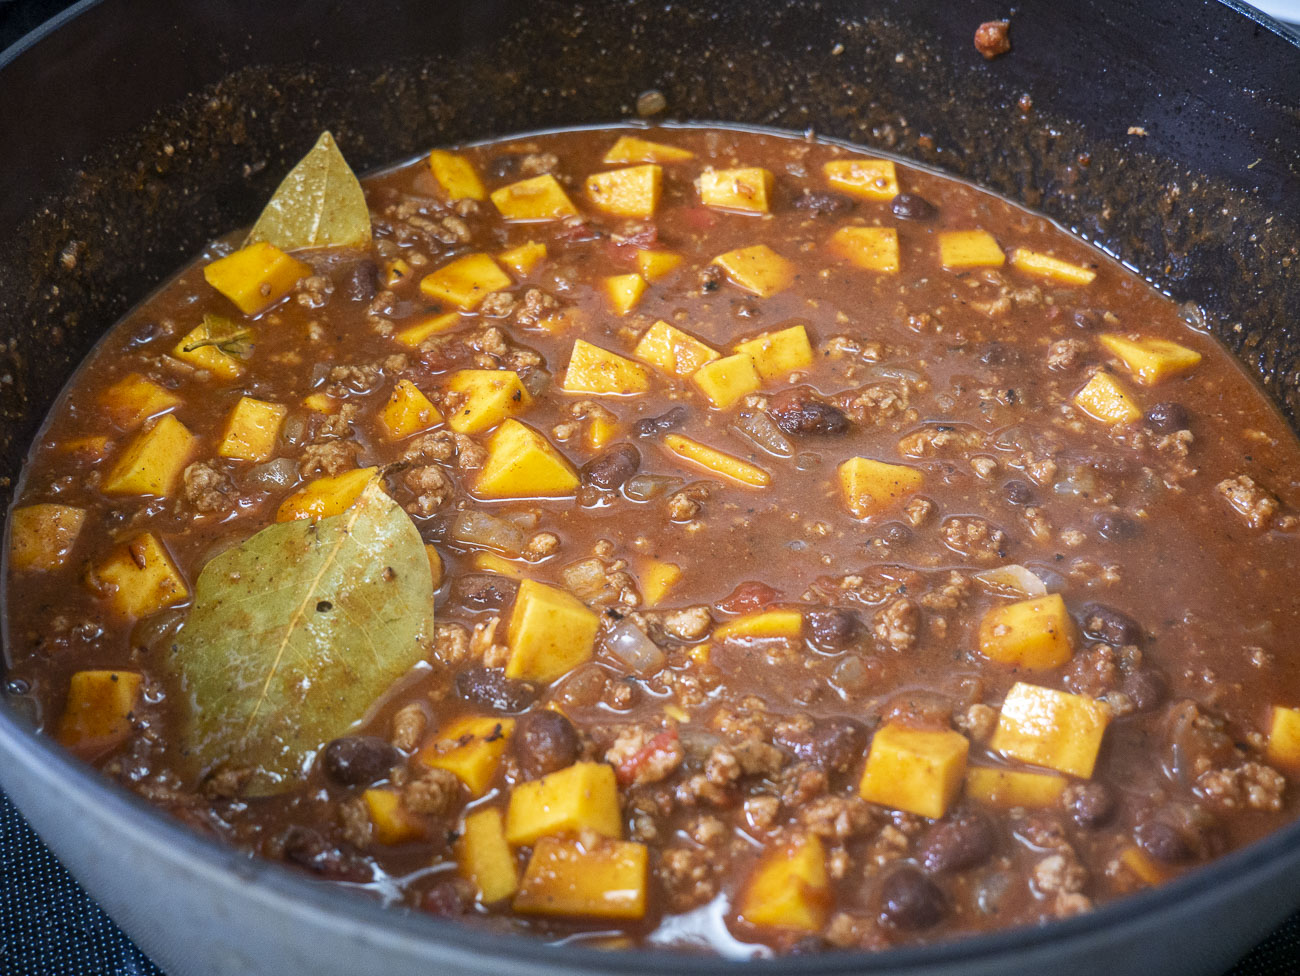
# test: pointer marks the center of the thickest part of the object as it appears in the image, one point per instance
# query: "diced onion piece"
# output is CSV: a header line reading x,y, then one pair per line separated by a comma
x,y
1013,580
279,473
643,487
584,579
481,529
759,429
629,644
876,371
535,381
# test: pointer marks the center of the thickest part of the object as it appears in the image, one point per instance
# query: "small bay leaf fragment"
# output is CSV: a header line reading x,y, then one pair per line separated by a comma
x,y
295,633
319,204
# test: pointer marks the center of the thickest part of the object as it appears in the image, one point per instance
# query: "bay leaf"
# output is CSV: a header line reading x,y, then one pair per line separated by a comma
x,y
319,204
293,636
233,340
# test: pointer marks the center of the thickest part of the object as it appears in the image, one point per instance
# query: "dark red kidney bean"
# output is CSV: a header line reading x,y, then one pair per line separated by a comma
x,y
490,688
833,744
1161,841
747,596
611,468
446,898
362,281
657,425
1167,417
358,760
1090,804
824,203
1114,526
909,206
832,629
309,849
483,591
1146,687
1109,626
1086,318
910,900
1017,492
545,741
952,845
800,411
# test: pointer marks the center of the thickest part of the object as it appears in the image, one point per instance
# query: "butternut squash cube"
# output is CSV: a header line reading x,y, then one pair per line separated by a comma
x,y
765,623
490,562
392,822
917,770
256,277
870,487
1054,269
522,463
153,461
596,370
601,431
471,748
456,176
199,349
654,265
1006,788
624,292
396,272
321,403
1143,867
789,888
630,149
631,192
970,249
252,430
672,350
869,248
729,379
1037,634
778,354
139,577
326,496
1150,361
757,269
98,712
745,189
41,536
407,412
871,179
435,565
602,879
1050,728
1103,399
522,259
133,399
719,462
485,857
550,633
486,397
657,579
583,796
413,335
538,198
465,282
1284,738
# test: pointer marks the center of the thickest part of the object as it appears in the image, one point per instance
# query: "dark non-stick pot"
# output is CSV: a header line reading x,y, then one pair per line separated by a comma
x,y
134,130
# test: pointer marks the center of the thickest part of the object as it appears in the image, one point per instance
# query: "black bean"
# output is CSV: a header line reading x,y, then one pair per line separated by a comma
x,y
1146,687
665,421
800,411
952,845
1090,804
1167,417
362,281
909,206
1086,318
1114,526
309,849
810,945
896,533
832,629
505,166
482,591
910,900
490,688
1161,841
1000,354
1108,625
545,741
611,468
833,744
822,203
358,760
1017,492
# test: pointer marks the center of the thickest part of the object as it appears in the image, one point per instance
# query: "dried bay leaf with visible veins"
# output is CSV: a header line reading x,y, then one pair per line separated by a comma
x,y
319,204
295,633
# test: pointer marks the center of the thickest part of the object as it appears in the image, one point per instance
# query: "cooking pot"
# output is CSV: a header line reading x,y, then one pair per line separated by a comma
x,y
1166,131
